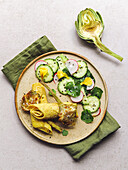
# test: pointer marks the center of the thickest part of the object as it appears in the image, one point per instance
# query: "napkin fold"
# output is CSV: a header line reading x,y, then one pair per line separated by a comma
x,y
14,68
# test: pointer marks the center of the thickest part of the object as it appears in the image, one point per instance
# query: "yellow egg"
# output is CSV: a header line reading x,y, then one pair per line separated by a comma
x,y
43,71
87,81
61,74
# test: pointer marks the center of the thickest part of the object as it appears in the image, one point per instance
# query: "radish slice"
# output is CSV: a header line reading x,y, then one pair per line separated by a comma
x,y
55,79
89,95
96,113
72,65
91,87
78,99
39,63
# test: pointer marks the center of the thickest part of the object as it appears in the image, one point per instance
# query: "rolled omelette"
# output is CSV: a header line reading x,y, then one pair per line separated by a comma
x,y
44,110
36,123
39,88
41,125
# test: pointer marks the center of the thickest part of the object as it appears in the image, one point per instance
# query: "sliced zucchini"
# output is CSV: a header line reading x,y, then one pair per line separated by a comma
x,y
53,64
92,104
82,70
62,84
60,63
48,77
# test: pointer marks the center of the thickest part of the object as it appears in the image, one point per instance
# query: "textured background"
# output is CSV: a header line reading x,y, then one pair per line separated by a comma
x,y
24,21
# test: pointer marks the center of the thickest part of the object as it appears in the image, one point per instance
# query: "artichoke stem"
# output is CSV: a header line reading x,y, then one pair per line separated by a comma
x,y
102,47
49,89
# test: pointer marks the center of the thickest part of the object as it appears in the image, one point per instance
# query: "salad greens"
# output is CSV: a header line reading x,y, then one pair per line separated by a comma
x,y
86,116
81,88
73,90
90,26
89,74
96,91
65,70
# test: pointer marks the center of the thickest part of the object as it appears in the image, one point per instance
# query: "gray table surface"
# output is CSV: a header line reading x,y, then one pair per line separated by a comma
x,y
24,21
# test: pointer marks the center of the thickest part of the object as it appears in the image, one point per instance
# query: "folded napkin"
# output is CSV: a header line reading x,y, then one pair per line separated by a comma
x,y
14,68
12,71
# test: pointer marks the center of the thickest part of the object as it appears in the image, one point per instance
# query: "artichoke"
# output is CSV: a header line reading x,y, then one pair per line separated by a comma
x,y
89,26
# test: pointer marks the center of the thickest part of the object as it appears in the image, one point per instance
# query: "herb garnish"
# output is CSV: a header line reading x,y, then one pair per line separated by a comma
x,y
73,90
64,132
97,92
86,116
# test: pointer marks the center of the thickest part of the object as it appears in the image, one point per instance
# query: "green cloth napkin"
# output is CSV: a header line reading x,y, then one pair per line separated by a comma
x,y
14,68
12,71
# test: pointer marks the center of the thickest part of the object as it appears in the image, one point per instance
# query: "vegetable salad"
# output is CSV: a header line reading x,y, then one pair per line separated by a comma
x,y
73,78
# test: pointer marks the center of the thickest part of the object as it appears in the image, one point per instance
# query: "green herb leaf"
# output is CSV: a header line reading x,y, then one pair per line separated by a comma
x,y
97,92
51,93
73,90
89,74
65,70
79,80
64,132
86,116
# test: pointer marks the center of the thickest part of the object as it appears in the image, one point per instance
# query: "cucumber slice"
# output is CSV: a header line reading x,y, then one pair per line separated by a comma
x,y
60,63
85,100
48,77
63,57
82,70
53,64
92,104
62,84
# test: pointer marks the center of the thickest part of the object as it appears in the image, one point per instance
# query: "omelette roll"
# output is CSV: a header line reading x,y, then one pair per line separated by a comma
x,y
44,110
39,88
41,125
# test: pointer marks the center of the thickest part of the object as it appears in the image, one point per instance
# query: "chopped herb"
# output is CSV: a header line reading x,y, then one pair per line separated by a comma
x,y
64,132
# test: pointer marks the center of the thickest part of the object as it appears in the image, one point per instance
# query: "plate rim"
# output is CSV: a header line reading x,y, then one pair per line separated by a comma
x,y
42,56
